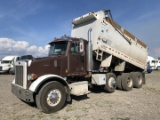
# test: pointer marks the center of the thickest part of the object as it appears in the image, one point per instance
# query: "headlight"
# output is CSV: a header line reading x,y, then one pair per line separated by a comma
x,y
32,76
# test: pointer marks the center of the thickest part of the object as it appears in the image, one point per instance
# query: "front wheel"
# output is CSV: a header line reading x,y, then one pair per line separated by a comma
x,y
51,97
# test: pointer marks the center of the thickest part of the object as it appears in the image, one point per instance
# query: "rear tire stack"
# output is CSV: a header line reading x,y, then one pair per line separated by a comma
x,y
126,81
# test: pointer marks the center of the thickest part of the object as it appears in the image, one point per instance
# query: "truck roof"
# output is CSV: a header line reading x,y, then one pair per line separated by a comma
x,y
9,58
66,38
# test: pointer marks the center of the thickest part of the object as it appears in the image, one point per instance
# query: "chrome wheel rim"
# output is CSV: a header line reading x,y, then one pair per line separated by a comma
x,y
53,97
112,82
129,82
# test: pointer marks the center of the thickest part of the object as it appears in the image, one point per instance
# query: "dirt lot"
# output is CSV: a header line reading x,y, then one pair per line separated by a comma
x,y
138,104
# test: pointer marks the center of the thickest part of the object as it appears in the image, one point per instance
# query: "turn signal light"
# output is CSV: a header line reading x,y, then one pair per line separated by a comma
x,y
32,76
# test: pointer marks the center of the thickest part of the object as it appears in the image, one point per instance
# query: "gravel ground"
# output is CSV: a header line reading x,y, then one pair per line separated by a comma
x,y
138,104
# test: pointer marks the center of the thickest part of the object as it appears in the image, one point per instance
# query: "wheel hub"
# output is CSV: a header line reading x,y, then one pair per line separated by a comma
x,y
129,82
112,82
53,97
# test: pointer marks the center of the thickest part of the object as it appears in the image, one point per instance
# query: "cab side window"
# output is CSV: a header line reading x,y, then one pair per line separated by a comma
x,y
75,47
18,59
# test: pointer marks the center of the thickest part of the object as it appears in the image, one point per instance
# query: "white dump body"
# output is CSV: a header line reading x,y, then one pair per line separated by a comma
x,y
109,37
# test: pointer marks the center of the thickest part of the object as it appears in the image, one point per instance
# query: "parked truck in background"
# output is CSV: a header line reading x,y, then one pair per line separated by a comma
x,y
20,58
99,53
154,63
6,63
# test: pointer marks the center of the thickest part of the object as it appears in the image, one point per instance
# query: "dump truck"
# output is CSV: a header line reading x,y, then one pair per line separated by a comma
x,y
99,53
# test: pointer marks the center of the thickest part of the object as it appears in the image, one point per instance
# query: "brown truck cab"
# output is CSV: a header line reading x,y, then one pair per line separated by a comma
x,y
49,81
67,57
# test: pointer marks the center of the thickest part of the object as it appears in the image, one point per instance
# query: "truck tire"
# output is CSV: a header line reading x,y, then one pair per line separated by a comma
x,y
110,83
127,82
51,97
119,82
137,80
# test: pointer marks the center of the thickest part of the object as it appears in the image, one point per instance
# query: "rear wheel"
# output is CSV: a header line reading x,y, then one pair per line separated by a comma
x,y
119,82
51,97
110,83
127,82
137,79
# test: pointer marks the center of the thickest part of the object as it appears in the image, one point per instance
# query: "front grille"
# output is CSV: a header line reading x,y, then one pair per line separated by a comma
x,y
19,75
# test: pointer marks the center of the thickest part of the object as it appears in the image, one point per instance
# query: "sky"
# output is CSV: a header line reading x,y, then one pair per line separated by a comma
x,y
27,26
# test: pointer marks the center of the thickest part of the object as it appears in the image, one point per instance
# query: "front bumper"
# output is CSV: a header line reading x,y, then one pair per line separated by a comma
x,y
23,94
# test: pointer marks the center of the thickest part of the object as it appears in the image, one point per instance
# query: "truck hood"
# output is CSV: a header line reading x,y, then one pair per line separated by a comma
x,y
47,65
5,65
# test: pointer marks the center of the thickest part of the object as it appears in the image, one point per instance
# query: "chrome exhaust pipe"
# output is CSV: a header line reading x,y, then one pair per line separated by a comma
x,y
89,52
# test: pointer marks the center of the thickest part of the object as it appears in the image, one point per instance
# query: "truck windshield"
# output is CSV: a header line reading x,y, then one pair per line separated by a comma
x,y
5,62
58,48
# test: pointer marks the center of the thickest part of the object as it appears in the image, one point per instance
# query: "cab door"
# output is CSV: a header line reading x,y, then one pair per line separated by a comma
x,y
77,55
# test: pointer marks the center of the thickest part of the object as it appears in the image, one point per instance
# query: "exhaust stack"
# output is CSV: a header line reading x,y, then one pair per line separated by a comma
x,y
89,52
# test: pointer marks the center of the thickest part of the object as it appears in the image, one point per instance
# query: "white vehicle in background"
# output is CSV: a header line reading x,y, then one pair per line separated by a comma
x,y
7,63
154,63
22,58
157,64
151,62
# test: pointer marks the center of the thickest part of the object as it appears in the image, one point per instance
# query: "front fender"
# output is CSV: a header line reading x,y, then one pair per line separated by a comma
x,y
38,82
